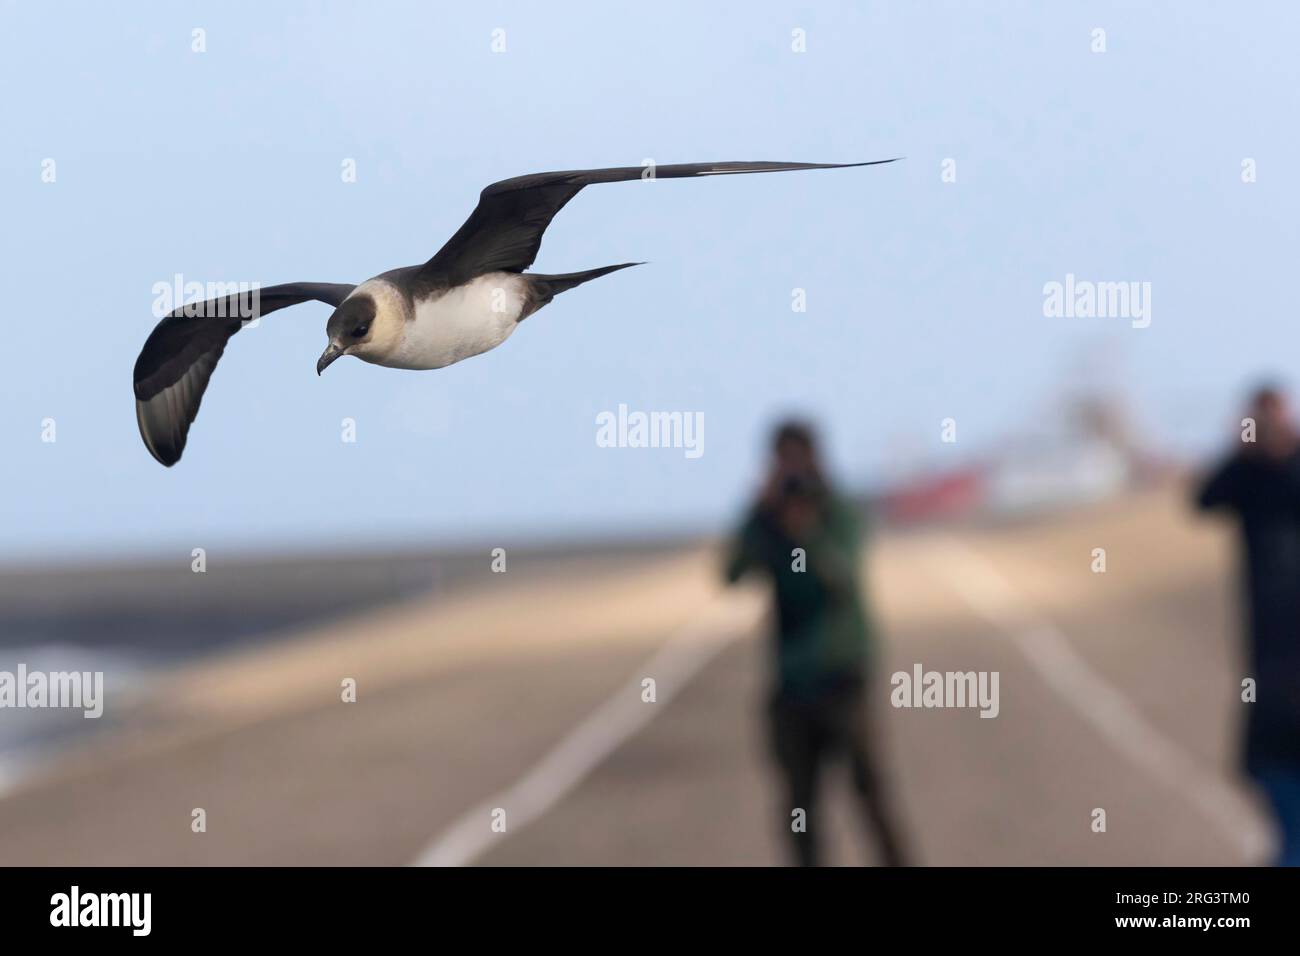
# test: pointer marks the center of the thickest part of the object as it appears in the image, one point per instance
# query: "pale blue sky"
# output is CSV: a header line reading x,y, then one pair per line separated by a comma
x,y
924,298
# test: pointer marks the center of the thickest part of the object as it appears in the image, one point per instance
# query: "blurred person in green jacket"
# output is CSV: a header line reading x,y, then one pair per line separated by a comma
x,y
807,541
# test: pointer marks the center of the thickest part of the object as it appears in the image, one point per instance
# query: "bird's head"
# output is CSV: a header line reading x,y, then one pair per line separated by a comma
x,y
356,328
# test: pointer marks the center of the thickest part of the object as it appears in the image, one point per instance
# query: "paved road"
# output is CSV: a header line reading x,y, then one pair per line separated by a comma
x,y
1117,691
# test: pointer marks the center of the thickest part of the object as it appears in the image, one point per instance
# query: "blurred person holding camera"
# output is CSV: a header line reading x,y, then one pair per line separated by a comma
x,y
805,539
1259,484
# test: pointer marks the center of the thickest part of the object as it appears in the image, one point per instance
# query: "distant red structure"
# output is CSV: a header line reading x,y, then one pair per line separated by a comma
x,y
948,495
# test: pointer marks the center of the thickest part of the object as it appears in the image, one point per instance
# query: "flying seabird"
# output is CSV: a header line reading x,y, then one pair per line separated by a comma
x,y
467,299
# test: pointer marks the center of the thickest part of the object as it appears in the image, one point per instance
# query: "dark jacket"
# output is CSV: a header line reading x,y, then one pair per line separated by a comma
x,y
822,638
1264,494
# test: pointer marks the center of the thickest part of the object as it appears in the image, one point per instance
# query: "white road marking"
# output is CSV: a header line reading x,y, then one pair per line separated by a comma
x,y
1112,714
680,658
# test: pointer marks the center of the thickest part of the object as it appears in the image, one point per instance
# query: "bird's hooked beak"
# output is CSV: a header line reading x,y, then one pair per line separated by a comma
x,y
327,357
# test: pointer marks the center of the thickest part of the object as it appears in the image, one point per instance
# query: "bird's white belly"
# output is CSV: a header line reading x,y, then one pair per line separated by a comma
x,y
462,322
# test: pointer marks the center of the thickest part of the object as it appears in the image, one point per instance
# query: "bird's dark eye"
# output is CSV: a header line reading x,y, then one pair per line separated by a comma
x,y
360,330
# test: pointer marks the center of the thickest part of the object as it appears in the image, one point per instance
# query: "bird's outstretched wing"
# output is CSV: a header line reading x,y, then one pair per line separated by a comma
x,y
505,230
178,357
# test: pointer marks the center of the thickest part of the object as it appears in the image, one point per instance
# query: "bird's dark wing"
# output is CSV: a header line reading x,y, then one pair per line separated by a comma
x,y
505,230
178,357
